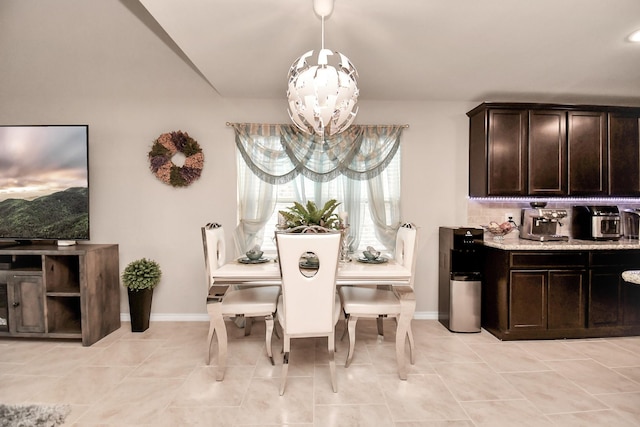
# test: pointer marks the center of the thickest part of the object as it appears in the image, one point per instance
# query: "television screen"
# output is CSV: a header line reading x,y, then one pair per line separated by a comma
x,y
44,182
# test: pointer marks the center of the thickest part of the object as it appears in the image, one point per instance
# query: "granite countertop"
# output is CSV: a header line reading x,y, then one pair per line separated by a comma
x,y
515,244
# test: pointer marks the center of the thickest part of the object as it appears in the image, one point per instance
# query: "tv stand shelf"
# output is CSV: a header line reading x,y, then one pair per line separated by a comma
x,y
65,292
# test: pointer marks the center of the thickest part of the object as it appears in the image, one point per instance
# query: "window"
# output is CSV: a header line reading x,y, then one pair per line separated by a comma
x,y
302,188
278,165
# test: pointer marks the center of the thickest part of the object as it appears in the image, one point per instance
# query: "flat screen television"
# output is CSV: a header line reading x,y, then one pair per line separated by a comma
x,y
44,183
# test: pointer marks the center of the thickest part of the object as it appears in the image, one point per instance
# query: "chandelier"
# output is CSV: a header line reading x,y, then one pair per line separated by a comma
x,y
322,96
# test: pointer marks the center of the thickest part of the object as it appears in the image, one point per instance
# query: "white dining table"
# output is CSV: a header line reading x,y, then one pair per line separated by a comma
x,y
352,273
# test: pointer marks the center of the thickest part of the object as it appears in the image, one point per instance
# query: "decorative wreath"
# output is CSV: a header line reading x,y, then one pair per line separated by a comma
x,y
161,155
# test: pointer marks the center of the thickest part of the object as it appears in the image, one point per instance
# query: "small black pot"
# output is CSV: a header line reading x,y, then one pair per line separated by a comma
x,y
140,309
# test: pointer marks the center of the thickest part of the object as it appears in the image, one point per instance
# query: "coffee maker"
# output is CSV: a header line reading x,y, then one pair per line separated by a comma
x,y
542,224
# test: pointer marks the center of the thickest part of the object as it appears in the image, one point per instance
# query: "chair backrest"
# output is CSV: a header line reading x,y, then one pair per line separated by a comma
x,y
406,244
309,302
214,249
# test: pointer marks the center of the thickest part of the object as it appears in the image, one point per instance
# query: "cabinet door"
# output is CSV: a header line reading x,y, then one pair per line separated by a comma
x,y
604,297
547,153
624,155
26,297
507,153
566,308
631,304
587,153
528,300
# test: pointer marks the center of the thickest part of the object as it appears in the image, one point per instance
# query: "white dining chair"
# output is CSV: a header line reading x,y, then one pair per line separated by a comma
x,y
380,302
257,301
309,305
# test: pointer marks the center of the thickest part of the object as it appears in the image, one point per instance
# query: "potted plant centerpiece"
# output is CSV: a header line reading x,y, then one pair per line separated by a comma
x,y
311,219
301,219
140,277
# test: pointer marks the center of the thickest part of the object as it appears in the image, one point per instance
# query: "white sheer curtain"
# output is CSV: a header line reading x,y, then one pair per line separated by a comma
x,y
273,155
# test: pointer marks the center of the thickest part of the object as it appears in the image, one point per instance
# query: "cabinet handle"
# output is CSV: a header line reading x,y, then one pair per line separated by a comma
x,y
15,304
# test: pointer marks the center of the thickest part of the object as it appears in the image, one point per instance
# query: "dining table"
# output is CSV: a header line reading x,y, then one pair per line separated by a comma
x,y
349,273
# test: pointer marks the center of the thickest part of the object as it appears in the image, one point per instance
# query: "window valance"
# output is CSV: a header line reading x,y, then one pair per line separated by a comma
x,y
277,153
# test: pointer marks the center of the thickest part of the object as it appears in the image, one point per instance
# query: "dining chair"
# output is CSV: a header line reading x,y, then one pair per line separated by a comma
x,y
380,302
257,301
309,305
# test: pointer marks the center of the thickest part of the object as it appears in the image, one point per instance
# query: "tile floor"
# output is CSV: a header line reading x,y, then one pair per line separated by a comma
x,y
159,378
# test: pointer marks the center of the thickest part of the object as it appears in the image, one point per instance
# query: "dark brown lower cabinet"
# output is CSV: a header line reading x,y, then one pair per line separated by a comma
x,y
604,297
543,300
559,294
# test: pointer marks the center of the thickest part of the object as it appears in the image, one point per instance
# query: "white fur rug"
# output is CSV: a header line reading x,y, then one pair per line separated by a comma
x,y
33,415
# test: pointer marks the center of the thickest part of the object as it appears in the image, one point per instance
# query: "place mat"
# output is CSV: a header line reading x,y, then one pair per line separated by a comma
x,y
379,260
246,260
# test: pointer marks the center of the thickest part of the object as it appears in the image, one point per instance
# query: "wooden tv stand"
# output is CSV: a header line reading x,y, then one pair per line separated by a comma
x,y
51,291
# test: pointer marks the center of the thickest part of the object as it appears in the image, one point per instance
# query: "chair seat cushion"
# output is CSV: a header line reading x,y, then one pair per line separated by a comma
x,y
259,300
358,300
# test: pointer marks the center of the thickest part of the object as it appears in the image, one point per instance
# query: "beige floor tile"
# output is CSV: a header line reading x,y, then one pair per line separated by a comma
x,y
352,415
594,377
160,377
448,350
507,357
263,404
550,350
357,384
134,401
420,398
126,353
607,353
628,343
505,413
552,393
475,381
592,419
225,416
633,373
84,385
202,389
437,423
626,404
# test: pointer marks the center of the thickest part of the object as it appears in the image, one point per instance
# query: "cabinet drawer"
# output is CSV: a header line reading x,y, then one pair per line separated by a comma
x,y
629,258
548,259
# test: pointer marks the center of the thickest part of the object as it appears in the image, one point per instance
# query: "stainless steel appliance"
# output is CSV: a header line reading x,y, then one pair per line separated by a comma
x,y
596,222
631,223
542,224
460,281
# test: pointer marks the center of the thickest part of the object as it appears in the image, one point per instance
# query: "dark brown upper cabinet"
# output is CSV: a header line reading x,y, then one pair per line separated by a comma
x,y
547,153
552,150
587,147
624,154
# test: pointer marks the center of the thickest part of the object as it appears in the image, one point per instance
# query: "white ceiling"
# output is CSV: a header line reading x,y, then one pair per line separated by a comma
x,y
569,51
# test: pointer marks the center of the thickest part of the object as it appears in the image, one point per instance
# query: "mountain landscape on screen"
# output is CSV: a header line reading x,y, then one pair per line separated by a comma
x,y
64,213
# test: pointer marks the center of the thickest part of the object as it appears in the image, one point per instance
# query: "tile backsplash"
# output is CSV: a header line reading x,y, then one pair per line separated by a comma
x,y
482,212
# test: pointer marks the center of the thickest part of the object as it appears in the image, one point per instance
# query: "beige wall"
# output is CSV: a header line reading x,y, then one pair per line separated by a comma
x,y
97,63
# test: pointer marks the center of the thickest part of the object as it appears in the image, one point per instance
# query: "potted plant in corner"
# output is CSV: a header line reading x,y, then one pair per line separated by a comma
x,y
140,277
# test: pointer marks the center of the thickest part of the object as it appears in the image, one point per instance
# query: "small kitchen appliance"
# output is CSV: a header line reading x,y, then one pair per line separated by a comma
x,y
631,223
542,224
596,223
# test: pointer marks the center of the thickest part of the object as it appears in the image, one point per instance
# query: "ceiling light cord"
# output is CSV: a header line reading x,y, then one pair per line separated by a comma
x,y
322,44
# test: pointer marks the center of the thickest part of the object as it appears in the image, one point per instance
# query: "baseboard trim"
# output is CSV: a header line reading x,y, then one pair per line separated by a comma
x,y
202,317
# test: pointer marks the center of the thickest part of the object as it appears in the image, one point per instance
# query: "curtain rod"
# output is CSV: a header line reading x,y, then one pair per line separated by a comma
x,y
403,126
